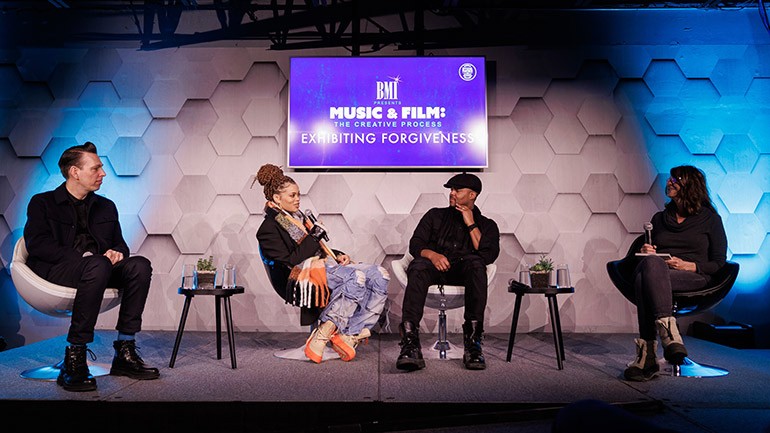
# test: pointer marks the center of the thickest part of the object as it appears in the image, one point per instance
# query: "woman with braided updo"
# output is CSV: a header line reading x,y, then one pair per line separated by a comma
x,y
350,297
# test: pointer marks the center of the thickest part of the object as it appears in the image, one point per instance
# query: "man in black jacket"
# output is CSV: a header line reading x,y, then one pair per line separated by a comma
x,y
451,245
74,239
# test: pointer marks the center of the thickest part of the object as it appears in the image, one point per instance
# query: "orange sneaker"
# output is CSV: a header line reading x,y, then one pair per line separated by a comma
x,y
314,348
346,345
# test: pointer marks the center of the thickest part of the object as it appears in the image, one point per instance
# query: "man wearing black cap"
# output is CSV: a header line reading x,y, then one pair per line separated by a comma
x,y
451,245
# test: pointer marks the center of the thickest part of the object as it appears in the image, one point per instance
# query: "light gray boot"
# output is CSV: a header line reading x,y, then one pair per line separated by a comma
x,y
645,366
673,346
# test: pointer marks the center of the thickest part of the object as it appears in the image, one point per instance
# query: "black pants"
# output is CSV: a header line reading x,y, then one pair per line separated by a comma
x,y
91,276
654,284
470,271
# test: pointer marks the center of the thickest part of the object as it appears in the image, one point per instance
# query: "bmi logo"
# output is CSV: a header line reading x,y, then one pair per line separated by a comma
x,y
388,90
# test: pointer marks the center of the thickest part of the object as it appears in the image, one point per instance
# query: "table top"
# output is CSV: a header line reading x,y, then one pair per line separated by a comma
x,y
520,289
217,291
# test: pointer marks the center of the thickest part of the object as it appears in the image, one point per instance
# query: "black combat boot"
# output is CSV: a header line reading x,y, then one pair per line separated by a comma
x,y
473,358
410,358
74,374
127,362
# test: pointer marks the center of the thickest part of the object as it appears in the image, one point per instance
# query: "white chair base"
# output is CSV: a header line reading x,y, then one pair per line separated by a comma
x,y
298,354
691,368
49,373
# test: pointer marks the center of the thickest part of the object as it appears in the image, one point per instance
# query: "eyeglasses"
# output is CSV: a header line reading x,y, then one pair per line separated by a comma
x,y
675,180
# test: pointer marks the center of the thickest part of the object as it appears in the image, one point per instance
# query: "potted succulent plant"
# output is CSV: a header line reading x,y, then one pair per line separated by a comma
x,y
206,273
540,272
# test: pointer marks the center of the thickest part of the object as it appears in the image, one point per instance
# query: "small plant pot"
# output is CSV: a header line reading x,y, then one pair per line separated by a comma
x,y
205,279
540,280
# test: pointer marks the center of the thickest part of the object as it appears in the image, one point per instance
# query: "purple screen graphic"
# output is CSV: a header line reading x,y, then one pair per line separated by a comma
x,y
387,112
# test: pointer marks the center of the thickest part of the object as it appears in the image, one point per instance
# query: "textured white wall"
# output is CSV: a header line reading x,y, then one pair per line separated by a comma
x,y
183,131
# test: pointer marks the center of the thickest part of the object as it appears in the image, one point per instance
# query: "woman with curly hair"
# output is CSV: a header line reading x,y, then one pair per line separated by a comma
x,y
350,297
690,230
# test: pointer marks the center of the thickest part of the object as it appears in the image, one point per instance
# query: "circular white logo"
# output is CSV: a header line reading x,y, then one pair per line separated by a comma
x,y
467,71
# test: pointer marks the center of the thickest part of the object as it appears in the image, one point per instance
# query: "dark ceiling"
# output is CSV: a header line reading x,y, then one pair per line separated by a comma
x,y
362,26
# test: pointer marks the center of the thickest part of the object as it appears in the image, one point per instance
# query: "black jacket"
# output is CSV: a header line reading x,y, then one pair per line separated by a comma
x,y
52,223
443,230
280,253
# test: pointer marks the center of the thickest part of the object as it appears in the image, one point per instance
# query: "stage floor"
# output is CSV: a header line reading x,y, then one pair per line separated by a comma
x,y
269,393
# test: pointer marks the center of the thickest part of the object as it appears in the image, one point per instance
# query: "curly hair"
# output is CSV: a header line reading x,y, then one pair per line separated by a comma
x,y
273,180
693,193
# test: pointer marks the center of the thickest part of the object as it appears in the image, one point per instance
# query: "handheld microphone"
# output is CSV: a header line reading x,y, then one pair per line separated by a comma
x,y
648,233
309,214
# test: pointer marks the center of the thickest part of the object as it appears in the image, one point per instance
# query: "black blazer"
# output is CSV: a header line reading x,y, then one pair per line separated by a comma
x,y
51,227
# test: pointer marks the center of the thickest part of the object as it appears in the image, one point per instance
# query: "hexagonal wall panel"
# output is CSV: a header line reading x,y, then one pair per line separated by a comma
x,y
635,210
397,193
427,201
264,117
599,154
99,96
231,64
599,115
761,173
745,233
535,193
666,115
101,64
195,155
194,194
163,136
97,128
129,156
696,94
504,210
31,133
602,193
198,80
161,251
568,173
160,214
566,134
532,154
230,173
737,153
197,118
229,136
537,233
629,61
193,234
12,82
635,173
731,76
165,98
330,193
67,81
569,213
264,80
758,92
503,135
763,211
133,231
699,134
130,118
531,116
227,213
759,132
664,78
6,194
132,80
740,193
53,152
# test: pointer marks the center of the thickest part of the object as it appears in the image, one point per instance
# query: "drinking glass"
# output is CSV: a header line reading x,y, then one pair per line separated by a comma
x,y
188,276
524,274
228,276
562,276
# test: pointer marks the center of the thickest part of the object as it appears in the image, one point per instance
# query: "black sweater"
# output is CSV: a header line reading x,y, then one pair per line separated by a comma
x,y
699,238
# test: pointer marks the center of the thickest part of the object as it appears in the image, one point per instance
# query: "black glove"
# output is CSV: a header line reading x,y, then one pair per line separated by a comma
x,y
318,233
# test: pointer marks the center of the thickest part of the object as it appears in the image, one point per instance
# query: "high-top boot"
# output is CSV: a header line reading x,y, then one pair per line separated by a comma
x,y
410,358
473,333
314,349
645,366
346,345
127,362
74,374
673,346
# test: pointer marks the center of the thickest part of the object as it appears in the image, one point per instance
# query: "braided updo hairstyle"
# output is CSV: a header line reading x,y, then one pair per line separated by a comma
x,y
273,180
